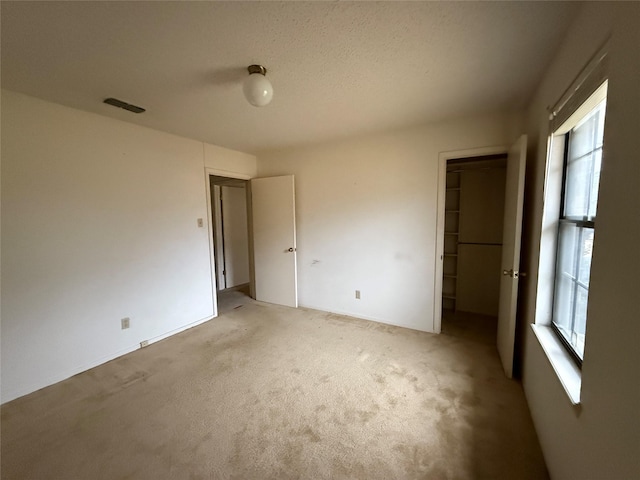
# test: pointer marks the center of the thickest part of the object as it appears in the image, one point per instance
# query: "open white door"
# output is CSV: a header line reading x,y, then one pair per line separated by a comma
x,y
274,240
511,236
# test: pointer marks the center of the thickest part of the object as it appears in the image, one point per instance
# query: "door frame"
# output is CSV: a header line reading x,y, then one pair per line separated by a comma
x,y
443,158
221,173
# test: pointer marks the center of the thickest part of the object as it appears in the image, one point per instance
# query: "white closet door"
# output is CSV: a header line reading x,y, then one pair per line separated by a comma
x,y
511,237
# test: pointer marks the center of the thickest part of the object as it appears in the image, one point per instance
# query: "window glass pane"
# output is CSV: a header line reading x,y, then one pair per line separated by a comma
x,y
568,238
565,276
585,252
583,165
595,183
577,187
580,320
575,246
584,135
563,305
600,111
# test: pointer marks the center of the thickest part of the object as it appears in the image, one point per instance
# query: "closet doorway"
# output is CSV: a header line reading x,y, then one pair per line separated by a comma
x,y
474,211
508,273
472,253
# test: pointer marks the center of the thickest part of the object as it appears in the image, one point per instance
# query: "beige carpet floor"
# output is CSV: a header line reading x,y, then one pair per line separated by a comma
x,y
267,392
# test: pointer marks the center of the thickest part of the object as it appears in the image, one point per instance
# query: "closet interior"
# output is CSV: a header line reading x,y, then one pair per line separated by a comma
x,y
474,210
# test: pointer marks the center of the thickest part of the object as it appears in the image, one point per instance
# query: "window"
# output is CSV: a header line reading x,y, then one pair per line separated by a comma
x,y
577,221
568,237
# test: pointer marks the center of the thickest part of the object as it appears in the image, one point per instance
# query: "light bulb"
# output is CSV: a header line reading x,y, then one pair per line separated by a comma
x,y
257,89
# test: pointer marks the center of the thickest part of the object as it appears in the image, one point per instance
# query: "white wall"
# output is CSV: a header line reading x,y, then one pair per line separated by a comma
x,y
480,249
99,222
229,163
236,235
601,437
366,216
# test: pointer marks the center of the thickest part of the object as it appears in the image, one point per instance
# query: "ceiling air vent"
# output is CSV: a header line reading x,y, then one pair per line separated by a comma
x,y
119,103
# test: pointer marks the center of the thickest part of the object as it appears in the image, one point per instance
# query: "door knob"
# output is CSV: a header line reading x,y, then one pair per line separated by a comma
x,y
510,273
291,249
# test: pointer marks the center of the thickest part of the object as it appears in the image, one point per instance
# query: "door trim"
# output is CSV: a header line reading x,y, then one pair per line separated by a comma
x,y
443,157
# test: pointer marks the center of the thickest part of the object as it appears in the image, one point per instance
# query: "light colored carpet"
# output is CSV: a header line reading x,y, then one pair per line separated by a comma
x,y
267,392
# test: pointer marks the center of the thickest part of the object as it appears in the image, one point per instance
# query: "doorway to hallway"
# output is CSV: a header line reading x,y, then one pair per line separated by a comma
x,y
230,225
252,236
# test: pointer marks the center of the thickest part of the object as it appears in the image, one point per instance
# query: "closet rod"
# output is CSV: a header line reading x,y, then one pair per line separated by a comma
x,y
480,243
475,168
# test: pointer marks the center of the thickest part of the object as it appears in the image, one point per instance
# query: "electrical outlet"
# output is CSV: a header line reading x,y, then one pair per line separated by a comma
x,y
357,294
200,223
144,343
124,323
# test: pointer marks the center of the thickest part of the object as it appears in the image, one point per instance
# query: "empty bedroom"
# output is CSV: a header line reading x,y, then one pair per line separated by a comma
x,y
319,240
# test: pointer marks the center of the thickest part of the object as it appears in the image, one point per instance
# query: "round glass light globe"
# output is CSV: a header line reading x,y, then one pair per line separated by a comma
x,y
257,90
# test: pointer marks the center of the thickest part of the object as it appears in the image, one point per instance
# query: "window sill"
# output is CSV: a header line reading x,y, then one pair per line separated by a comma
x,y
567,371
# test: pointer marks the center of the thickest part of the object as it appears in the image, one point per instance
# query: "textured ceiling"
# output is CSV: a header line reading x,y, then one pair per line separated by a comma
x,y
338,69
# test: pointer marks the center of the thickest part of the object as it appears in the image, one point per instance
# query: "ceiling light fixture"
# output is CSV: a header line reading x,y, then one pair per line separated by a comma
x,y
257,87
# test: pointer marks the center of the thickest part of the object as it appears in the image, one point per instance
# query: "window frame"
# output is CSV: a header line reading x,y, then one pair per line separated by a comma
x,y
564,133
571,105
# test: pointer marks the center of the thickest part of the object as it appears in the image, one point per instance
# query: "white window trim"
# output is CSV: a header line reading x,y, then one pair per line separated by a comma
x,y
563,364
568,373
592,102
